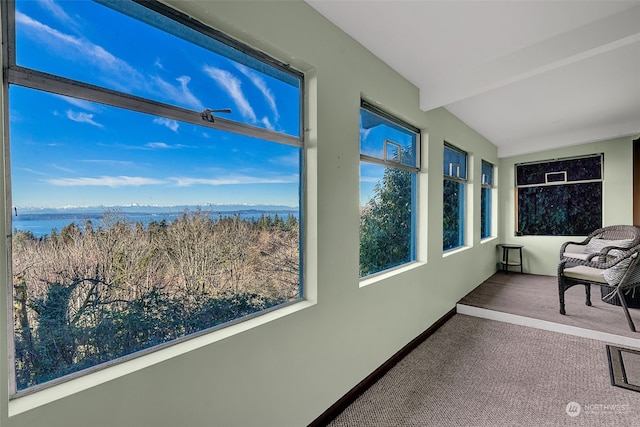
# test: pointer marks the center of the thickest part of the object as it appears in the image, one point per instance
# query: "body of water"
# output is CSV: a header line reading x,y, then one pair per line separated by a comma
x,y
42,224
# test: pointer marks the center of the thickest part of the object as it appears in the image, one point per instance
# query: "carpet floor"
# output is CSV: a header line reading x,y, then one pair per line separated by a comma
x,y
536,297
482,372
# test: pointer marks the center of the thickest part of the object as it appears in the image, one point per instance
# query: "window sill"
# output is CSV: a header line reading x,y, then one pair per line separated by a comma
x,y
383,275
455,251
83,382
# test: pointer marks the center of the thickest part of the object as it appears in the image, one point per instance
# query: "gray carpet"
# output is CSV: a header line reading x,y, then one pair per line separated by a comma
x,y
536,297
478,372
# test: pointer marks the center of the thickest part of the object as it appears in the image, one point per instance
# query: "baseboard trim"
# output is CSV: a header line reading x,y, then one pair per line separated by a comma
x,y
334,410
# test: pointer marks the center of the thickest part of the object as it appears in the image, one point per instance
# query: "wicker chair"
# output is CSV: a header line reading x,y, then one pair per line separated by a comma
x,y
607,257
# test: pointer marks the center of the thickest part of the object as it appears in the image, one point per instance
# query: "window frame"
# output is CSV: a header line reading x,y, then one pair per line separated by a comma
x,y
551,181
392,163
397,164
487,187
14,74
34,79
462,182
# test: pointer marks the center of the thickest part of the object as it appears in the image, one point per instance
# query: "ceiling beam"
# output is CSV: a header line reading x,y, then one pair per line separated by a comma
x,y
596,38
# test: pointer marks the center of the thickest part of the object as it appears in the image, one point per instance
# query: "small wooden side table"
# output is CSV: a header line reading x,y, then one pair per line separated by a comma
x,y
505,257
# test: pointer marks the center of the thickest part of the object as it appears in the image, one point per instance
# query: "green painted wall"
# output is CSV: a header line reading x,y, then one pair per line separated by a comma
x,y
541,252
286,368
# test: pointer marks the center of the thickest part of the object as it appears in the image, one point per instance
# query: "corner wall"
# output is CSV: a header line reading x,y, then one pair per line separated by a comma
x,y
541,252
287,371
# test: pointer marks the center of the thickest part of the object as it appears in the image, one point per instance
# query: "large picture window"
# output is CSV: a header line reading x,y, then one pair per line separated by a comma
x,y
560,197
155,182
455,183
389,166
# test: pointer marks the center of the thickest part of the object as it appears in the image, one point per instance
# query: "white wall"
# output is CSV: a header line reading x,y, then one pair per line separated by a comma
x,y
541,252
288,370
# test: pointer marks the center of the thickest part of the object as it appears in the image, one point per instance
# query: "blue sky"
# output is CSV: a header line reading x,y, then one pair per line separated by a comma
x,y
70,152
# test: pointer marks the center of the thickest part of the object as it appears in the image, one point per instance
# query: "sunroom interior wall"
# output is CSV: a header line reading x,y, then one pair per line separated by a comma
x,y
541,252
288,371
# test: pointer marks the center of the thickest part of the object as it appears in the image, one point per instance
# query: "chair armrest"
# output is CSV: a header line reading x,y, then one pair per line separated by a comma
x,y
573,248
576,247
602,260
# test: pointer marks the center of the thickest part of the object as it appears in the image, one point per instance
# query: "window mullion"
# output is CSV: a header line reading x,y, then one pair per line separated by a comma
x,y
377,161
62,86
454,179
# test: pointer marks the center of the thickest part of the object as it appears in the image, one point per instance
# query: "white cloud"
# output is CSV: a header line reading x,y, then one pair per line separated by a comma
x,y
231,180
106,181
80,103
261,84
61,168
33,171
233,87
162,145
171,124
372,179
41,29
57,12
180,94
82,117
75,47
112,163
267,123
117,72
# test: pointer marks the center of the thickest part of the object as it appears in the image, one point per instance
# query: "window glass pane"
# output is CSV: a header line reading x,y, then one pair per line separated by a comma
x,y
580,169
131,230
387,192
567,210
556,177
386,140
487,173
453,214
485,200
485,212
387,223
92,43
554,197
455,163
126,240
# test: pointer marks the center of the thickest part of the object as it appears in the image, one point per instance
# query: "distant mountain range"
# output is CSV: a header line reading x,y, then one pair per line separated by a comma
x,y
149,209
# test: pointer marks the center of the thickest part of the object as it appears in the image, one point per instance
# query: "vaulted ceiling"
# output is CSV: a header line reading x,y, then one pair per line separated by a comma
x,y
527,75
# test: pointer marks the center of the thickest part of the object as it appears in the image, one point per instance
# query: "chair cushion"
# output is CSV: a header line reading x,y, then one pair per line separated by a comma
x,y
574,247
594,246
614,274
577,255
586,273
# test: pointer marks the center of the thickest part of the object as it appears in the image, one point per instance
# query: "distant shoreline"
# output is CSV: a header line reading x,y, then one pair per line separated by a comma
x,y
43,223
150,209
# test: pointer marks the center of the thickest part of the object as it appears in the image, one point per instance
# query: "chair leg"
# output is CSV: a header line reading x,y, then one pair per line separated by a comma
x,y
561,290
587,291
623,302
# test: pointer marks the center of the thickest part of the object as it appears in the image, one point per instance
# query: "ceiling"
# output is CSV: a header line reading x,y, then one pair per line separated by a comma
x,y
527,75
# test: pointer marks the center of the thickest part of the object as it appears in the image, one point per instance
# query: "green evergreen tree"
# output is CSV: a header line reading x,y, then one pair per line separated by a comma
x,y
385,223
